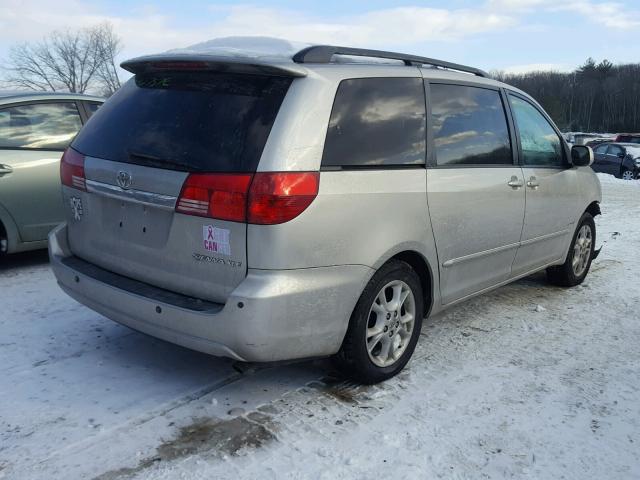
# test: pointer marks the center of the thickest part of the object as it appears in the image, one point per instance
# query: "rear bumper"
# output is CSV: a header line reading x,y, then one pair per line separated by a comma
x,y
272,315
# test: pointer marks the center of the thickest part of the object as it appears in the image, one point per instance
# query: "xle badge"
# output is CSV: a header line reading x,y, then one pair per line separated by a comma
x,y
76,207
216,239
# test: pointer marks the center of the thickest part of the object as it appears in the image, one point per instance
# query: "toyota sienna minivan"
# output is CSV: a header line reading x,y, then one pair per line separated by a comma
x,y
317,205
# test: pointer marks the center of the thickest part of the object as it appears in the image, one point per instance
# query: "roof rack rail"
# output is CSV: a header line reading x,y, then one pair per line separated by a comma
x,y
323,54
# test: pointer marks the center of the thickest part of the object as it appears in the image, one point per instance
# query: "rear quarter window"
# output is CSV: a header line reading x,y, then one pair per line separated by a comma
x,y
39,126
376,122
208,122
91,107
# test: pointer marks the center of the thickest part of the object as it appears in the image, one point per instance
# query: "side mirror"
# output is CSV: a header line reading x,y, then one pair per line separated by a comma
x,y
581,156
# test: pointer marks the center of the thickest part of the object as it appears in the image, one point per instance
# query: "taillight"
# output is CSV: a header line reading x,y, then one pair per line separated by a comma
x,y
277,197
215,195
264,198
72,169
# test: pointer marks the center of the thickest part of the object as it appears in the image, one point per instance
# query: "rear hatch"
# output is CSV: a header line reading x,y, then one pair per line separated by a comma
x,y
167,161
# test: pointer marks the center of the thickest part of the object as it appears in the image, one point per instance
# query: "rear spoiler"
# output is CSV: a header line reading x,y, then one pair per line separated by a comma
x,y
212,63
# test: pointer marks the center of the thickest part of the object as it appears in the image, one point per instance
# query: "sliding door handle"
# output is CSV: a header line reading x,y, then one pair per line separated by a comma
x,y
533,183
515,182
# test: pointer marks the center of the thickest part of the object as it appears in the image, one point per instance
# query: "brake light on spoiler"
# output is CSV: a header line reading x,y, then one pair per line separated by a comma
x,y
263,198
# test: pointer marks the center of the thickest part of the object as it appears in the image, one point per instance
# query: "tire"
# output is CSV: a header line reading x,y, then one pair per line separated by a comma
x,y
627,174
573,272
392,335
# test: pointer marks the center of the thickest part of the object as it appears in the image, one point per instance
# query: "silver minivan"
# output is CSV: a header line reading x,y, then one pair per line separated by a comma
x,y
318,205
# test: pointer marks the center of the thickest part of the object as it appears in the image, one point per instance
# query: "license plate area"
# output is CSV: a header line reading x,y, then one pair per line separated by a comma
x,y
136,223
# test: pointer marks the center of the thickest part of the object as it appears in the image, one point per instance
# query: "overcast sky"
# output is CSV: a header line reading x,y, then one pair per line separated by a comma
x,y
511,35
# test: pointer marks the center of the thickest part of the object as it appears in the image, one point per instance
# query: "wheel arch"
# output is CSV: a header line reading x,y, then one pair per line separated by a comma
x,y
423,269
624,166
594,208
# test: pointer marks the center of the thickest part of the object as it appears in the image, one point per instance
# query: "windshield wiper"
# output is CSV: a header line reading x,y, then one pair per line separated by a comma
x,y
153,161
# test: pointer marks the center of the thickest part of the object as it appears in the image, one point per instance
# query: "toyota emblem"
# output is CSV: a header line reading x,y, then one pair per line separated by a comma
x,y
124,179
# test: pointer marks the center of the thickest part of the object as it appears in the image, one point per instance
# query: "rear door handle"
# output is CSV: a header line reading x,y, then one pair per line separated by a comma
x,y
533,183
5,169
515,182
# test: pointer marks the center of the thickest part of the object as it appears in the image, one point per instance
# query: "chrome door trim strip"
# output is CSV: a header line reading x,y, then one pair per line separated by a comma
x,y
165,202
473,256
544,237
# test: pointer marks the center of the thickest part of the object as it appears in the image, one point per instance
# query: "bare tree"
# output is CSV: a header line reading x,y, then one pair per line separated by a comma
x,y
70,60
108,46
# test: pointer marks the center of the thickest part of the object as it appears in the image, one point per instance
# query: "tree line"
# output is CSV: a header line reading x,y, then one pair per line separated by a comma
x,y
596,97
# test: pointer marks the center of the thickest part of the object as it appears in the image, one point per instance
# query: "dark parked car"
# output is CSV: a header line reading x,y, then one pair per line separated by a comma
x,y
628,138
619,159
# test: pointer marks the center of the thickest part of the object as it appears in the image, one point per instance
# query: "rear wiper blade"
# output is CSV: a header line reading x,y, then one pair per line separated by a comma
x,y
154,161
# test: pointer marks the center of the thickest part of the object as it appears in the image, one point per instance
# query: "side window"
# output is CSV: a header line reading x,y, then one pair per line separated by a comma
x,y
601,149
48,126
469,126
615,150
91,107
540,143
377,121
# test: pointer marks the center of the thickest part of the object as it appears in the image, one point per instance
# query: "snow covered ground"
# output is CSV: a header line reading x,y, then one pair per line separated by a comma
x,y
529,381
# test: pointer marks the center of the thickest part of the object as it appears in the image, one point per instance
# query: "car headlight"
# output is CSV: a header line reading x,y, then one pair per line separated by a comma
x,y
637,160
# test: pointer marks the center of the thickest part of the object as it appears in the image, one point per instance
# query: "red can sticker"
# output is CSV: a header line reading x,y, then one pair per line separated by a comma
x,y
216,239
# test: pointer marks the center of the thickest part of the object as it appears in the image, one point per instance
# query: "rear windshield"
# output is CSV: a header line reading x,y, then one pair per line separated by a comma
x,y
209,122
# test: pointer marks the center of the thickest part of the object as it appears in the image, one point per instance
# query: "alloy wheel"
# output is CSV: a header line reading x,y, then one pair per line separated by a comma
x,y
390,323
582,250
